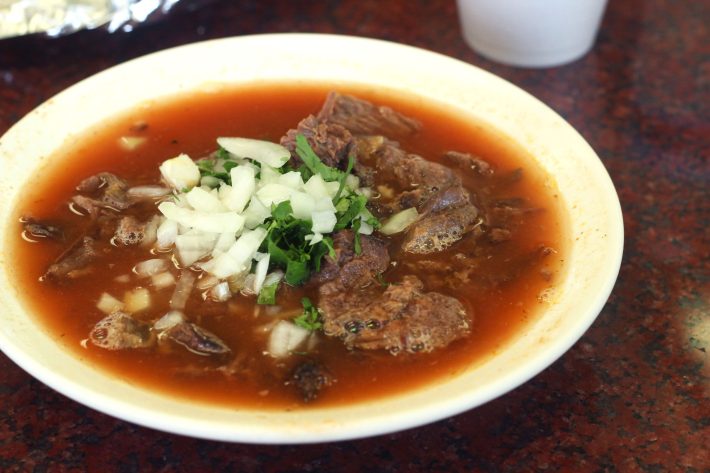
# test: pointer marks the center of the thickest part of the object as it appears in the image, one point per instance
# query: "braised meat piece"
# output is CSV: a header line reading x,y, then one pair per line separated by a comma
x,y
120,331
331,142
106,191
438,231
196,339
401,318
416,177
468,162
445,217
129,231
349,269
309,379
73,262
361,117
38,229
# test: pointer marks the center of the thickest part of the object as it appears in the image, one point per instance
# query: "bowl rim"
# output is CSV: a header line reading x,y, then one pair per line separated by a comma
x,y
329,429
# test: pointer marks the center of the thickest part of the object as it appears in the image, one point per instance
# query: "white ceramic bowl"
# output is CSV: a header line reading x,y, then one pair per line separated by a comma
x,y
588,194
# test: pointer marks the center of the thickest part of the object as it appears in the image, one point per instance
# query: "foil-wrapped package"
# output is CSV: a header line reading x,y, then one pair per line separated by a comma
x,y
60,17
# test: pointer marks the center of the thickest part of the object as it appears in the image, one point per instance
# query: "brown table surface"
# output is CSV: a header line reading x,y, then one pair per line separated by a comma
x,y
631,395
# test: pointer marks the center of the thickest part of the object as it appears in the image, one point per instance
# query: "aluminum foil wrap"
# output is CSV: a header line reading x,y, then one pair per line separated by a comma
x,y
60,17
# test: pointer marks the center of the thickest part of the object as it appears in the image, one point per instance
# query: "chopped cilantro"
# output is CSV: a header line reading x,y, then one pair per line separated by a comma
x,y
313,162
223,154
218,165
309,318
344,176
356,204
267,295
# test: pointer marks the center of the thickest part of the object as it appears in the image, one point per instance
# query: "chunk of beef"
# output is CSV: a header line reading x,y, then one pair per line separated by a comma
x,y
39,229
438,231
401,318
361,117
106,190
309,379
415,178
445,199
445,217
196,339
412,171
467,161
331,142
120,331
130,231
74,261
349,269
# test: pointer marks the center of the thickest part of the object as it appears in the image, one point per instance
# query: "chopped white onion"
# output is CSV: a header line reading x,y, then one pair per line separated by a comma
x,y
182,291
313,239
273,277
210,181
169,320
131,143
223,244
365,228
324,204
237,196
323,221
108,304
136,300
150,233
256,213
220,292
291,179
206,281
167,232
352,181
162,280
264,152
248,285
220,222
285,338
180,172
203,201
303,205
316,187
148,268
268,175
239,256
193,246
400,221
274,193
260,273
147,192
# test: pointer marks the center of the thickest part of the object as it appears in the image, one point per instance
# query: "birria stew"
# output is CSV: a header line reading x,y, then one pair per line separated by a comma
x,y
284,246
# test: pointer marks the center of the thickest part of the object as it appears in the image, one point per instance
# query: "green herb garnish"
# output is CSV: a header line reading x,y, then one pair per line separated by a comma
x,y
267,295
313,162
218,165
309,318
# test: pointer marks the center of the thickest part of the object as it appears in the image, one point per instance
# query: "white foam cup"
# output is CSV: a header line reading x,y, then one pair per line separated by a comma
x,y
531,33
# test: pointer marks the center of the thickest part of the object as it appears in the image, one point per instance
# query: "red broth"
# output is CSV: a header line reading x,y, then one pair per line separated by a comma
x,y
505,292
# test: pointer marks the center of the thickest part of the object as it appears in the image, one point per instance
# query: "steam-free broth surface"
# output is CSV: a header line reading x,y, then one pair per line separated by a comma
x,y
503,292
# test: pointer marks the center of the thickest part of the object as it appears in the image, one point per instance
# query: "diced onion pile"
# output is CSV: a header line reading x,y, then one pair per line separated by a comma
x,y
219,227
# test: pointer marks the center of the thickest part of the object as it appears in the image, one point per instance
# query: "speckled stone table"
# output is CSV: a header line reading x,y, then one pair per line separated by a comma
x,y
631,395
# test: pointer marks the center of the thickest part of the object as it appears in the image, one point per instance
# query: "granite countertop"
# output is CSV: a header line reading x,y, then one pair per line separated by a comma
x,y
631,395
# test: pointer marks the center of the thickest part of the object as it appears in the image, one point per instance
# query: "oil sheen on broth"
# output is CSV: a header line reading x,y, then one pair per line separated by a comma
x,y
499,271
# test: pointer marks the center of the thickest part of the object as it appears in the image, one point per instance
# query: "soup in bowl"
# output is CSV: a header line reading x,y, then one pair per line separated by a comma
x,y
298,247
